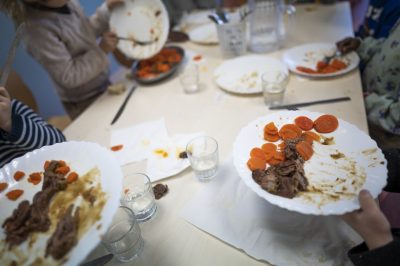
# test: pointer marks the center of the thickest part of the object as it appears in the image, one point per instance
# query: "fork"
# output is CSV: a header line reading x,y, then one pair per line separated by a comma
x,y
136,41
327,59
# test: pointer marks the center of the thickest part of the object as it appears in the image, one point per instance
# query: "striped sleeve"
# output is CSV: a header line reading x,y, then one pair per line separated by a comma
x,y
29,132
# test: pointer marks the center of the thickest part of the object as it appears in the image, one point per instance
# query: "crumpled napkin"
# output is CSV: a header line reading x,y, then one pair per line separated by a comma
x,y
163,156
136,140
229,210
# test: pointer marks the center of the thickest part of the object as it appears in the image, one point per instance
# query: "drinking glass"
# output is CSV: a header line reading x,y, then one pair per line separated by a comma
x,y
123,237
189,79
274,83
203,156
138,195
232,37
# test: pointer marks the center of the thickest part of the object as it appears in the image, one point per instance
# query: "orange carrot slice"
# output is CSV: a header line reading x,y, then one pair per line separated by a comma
x,y
14,194
257,153
255,163
304,123
290,131
326,124
18,175
304,149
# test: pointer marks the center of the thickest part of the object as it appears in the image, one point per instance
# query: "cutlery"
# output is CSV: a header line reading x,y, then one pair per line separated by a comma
x,y
220,12
135,41
327,59
244,14
214,17
98,261
121,109
11,55
296,105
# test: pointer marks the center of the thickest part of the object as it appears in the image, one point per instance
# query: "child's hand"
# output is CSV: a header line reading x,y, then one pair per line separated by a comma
x,y
109,42
348,45
369,222
113,3
5,110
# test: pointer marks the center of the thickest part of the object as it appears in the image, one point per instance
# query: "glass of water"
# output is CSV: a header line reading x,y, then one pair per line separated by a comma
x,y
123,238
203,156
189,78
138,195
274,83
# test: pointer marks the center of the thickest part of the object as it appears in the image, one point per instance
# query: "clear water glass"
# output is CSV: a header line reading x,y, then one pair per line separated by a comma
x,y
203,156
138,195
274,85
123,238
189,79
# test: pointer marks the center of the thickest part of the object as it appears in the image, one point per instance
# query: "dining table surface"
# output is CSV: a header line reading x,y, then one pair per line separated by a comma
x,y
168,238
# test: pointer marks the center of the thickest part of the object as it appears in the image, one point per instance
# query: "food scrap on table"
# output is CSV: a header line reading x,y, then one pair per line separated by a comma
x,y
279,168
323,68
18,175
3,186
117,147
197,58
116,89
160,190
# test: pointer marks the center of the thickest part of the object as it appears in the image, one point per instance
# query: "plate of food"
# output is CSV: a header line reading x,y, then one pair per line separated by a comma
x,y
160,66
309,162
307,60
204,34
242,75
56,202
140,21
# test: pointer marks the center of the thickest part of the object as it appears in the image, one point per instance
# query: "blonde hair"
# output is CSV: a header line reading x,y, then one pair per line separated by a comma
x,y
15,9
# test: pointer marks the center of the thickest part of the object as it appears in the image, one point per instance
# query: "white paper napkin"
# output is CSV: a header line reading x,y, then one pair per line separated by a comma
x,y
229,210
137,140
163,156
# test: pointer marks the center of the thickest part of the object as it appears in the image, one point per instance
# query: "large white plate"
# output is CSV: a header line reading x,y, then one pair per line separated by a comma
x,y
309,54
243,74
363,161
81,157
143,20
205,34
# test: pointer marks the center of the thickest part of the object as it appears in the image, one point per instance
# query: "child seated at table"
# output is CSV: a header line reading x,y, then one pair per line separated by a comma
x,y
63,40
22,130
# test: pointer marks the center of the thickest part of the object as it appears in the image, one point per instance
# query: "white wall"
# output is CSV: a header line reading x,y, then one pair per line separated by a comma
x,y
31,72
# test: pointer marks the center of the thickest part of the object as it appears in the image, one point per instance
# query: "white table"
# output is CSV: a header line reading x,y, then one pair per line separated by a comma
x,y
170,240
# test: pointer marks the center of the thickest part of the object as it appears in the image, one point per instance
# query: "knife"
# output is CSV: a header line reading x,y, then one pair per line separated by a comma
x,y
296,105
99,261
11,55
121,109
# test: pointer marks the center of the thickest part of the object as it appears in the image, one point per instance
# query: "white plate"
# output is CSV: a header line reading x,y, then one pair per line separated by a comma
x,y
243,74
362,156
143,20
81,157
205,34
309,54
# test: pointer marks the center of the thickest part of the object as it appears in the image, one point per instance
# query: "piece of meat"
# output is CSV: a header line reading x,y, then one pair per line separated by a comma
x,y
287,188
258,175
270,182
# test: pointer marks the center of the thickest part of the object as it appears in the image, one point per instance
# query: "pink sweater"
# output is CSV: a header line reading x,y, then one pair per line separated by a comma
x,y
65,45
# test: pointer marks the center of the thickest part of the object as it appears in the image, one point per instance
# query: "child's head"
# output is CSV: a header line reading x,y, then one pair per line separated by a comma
x,y
48,3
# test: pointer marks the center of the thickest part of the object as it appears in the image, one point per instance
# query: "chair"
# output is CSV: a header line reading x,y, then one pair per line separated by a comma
x,y
20,91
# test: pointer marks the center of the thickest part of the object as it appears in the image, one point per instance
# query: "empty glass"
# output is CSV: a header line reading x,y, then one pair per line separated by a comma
x,y
123,238
232,37
138,195
203,156
189,78
274,83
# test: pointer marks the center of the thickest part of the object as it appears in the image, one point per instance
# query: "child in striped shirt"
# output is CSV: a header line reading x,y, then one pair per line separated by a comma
x,y
22,130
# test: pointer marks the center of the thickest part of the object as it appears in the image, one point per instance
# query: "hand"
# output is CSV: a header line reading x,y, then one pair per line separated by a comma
x,y
5,110
113,3
369,222
109,42
348,44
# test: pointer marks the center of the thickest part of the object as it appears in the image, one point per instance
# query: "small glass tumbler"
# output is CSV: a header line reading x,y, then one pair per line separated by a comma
x,y
203,156
189,79
274,84
138,195
123,238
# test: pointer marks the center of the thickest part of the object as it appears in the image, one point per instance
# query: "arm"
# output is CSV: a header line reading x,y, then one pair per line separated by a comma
x,y
368,47
70,72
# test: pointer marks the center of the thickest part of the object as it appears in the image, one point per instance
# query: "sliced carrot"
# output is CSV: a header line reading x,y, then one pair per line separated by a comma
x,y
14,194
338,64
270,137
72,177
3,186
269,148
304,123
271,129
255,163
46,165
18,175
35,178
326,124
290,131
279,155
274,161
282,145
257,153
62,170
62,163
321,65
117,147
310,136
304,149
306,70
